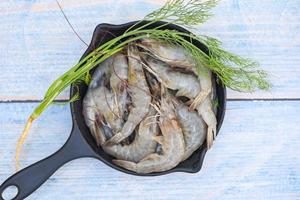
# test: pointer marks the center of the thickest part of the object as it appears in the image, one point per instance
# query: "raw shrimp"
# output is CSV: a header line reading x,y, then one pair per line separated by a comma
x,y
91,117
184,83
118,80
178,56
116,68
154,85
187,85
90,111
139,93
205,110
99,109
105,103
172,142
103,70
119,75
205,78
174,55
99,104
203,104
193,127
143,143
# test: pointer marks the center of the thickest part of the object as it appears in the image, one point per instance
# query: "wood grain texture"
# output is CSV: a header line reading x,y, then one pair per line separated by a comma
x,y
254,157
37,44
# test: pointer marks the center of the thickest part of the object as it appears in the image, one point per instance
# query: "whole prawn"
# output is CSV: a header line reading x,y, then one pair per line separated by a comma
x,y
142,145
172,143
193,127
178,56
139,93
184,83
104,105
187,85
90,110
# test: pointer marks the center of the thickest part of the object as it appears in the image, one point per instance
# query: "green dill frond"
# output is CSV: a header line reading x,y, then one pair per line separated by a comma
x,y
180,12
236,72
185,13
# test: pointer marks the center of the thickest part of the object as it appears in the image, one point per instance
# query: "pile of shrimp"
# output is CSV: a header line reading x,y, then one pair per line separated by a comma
x,y
146,107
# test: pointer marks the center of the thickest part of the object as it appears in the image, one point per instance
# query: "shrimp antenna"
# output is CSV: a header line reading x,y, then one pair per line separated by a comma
x,y
66,18
155,121
156,107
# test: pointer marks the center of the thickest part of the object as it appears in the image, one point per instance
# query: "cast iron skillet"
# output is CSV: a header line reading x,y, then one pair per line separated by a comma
x,y
80,142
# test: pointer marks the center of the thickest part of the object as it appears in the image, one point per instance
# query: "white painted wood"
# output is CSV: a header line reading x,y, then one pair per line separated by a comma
x,y
254,157
37,45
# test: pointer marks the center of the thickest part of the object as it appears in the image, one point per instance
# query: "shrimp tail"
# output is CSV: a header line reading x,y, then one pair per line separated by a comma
x,y
126,164
198,100
211,135
158,139
117,138
97,135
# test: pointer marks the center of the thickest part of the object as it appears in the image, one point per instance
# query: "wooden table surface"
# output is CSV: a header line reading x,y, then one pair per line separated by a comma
x,y
256,155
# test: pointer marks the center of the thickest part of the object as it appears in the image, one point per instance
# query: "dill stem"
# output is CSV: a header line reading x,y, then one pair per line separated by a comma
x,y
21,141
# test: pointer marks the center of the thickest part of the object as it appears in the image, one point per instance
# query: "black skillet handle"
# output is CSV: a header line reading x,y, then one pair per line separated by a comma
x,y
32,177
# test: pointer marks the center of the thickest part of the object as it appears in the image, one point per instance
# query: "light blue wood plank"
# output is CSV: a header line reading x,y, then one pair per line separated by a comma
x,y
254,157
37,45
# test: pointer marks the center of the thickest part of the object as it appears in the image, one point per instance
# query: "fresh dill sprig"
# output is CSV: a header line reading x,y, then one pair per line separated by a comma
x,y
185,13
180,12
235,72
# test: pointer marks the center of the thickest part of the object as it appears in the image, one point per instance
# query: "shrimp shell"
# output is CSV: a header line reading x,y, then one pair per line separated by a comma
x,y
184,83
205,110
172,142
187,85
105,103
142,145
91,116
193,127
119,74
174,55
100,104
140,97
178,56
